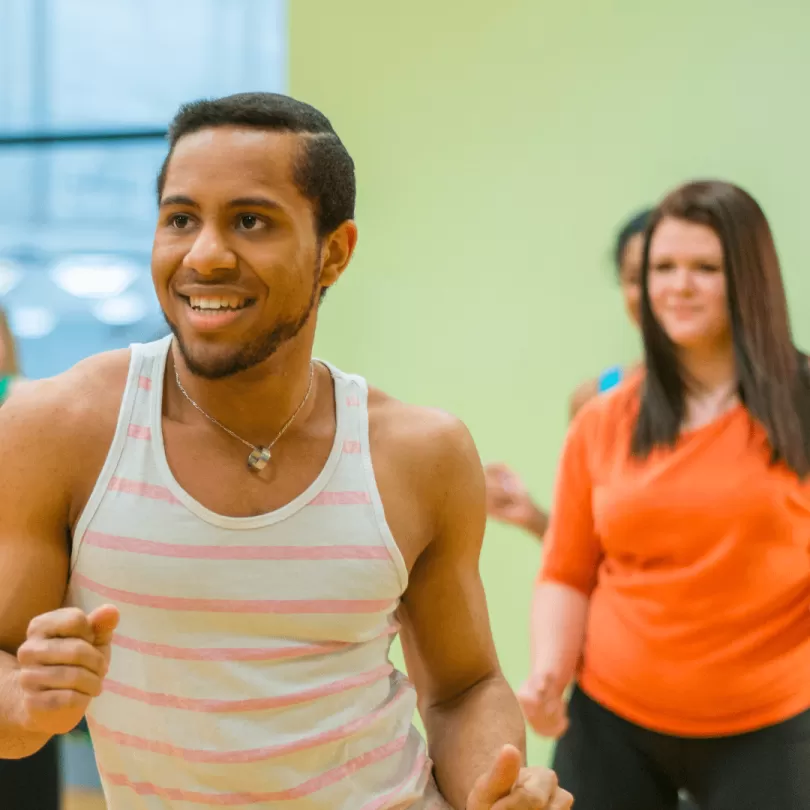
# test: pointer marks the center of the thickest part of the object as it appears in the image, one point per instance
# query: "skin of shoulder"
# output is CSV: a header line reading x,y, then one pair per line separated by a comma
x,y
589,389
424,451
582,394
55,435
609,415
69,418
411,421
432,484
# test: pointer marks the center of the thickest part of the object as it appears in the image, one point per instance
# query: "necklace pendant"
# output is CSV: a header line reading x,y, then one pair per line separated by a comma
x,y
258,459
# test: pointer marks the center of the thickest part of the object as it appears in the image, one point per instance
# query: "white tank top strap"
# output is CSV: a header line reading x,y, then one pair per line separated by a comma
x,y
135,383
351,392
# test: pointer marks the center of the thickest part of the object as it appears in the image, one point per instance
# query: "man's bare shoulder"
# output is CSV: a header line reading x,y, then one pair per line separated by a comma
x,y
429,452
418,432
70,407
429,457
55,434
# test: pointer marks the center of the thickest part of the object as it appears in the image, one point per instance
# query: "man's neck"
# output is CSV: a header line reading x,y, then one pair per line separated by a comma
x,y
255,404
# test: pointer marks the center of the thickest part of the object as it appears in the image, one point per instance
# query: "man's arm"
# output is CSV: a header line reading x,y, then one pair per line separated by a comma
x,y
468,708
33,543
48,664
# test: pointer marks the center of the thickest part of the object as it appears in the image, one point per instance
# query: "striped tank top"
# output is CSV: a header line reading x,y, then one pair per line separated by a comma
x,y
250,668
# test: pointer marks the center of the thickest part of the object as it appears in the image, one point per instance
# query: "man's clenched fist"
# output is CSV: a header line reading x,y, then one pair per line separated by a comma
x,y
63,663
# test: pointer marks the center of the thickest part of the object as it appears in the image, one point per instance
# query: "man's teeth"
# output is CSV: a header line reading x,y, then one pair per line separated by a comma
x,y
219,302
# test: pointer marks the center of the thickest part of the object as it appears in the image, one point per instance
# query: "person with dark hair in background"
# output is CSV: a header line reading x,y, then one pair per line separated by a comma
x,y
221,493
675,585
508,498
34,782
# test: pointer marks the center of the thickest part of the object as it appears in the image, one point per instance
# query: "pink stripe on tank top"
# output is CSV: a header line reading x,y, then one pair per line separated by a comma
x,y
235,653
309,787
305,743
139,432
153,491
134,545
288,606
215,706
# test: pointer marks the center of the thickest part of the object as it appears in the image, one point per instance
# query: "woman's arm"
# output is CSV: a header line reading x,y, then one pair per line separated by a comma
x,y
559,618
562,597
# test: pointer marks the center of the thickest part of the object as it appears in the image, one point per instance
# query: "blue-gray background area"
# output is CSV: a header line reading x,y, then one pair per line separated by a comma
x,y
90,65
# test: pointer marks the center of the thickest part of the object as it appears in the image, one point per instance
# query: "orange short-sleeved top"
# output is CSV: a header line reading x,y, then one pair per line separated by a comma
x,y
697,563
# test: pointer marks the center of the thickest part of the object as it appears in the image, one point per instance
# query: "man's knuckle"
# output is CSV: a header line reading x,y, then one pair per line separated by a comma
x,y
51,701
64,676
563,800
529,798
35,625
64,620
27,679
28,652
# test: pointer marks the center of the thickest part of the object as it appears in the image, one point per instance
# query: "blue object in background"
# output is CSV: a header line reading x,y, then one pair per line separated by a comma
x,y
610,378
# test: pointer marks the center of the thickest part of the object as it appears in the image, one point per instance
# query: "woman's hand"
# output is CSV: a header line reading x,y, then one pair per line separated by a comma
x,y
544,705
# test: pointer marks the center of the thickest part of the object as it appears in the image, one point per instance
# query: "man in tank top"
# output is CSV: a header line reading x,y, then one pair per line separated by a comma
x,y
226,535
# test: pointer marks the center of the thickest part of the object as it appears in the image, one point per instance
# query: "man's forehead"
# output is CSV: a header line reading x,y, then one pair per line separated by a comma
x,y
263,155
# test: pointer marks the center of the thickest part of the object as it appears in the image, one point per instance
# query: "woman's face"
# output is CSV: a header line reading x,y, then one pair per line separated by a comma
x,y
687,284
630,276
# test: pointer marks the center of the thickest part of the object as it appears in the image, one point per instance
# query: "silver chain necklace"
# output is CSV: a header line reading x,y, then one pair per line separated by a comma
x,y
259,454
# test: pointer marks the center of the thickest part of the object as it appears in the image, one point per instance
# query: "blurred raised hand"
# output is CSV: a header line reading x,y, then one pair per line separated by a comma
x,y
509,501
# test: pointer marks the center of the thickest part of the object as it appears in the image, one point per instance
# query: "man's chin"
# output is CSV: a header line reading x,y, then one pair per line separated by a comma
x,y
204,356
216,355
212,362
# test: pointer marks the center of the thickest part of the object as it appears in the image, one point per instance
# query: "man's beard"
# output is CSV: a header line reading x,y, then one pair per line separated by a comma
x,y
208,365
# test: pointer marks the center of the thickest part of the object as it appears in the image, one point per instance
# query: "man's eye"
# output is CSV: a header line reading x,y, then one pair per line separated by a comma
x,y
250,222
180,221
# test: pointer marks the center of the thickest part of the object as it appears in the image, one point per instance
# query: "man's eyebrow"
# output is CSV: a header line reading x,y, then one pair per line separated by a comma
x,y
260,202
178,199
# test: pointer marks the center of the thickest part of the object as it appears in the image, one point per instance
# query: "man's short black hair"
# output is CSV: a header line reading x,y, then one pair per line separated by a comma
x,y
324,170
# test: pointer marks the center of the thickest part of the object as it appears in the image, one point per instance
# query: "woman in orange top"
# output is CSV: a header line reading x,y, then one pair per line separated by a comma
x,y
675,587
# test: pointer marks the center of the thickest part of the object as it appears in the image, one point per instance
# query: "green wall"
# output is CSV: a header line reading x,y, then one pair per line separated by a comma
x,y
497,146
